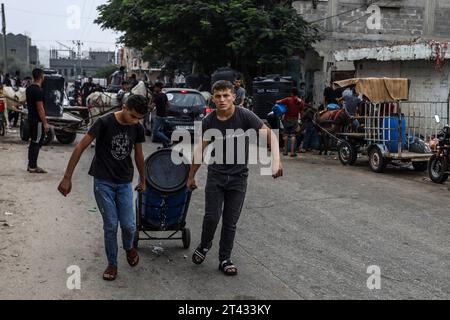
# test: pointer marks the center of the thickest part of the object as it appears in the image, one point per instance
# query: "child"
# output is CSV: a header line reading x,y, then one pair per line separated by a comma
x,y
112,168
226,185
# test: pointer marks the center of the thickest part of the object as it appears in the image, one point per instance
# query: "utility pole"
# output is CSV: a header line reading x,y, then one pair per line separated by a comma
x,y
5,50
78,43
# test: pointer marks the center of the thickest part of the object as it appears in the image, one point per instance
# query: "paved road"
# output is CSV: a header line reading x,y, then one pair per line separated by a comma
x,y
311,235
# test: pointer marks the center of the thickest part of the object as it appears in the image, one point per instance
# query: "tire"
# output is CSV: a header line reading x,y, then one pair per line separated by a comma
x,y
347,153
376,160
420,166
24,130
65,137
437,166
49,136
186,236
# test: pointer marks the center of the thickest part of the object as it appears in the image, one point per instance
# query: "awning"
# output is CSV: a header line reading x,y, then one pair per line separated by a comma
x,y
378,89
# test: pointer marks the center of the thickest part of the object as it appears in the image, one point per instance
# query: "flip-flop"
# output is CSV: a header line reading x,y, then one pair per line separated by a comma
x,y
228,268
133,257
110,274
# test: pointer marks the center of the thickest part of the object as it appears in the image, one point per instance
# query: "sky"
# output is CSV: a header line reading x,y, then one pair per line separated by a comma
x,y
48,21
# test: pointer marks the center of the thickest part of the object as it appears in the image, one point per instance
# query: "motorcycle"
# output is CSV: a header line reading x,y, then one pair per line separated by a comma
x,y
438,165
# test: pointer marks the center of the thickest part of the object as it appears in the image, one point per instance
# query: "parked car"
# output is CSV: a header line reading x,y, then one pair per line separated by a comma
x,y
186,107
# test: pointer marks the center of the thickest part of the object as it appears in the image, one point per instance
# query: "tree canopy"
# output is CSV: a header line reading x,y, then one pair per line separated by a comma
x,y
210,33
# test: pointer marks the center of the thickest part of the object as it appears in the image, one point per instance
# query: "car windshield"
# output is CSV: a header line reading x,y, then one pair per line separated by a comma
x,y
178,99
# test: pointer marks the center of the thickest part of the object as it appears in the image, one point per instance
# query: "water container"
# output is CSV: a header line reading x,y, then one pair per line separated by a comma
x,y
267,90
279,110
163,212
224,74
163,175
53,89
391,133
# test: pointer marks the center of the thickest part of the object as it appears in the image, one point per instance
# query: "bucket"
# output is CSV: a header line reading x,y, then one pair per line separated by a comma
x,y
163,175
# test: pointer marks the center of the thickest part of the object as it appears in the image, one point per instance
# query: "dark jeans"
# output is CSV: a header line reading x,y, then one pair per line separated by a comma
x,y
13,118
224,197
308,134
36,140
158,130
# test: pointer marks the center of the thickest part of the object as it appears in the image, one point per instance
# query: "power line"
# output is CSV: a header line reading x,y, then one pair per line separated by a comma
x,y
47,14
344,12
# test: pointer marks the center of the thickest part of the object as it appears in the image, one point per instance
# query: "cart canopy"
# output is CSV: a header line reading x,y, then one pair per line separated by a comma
x,y
378,89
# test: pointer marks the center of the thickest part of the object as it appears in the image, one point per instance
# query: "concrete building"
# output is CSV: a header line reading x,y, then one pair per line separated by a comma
x,y
133,62
20,49
71,67
359,24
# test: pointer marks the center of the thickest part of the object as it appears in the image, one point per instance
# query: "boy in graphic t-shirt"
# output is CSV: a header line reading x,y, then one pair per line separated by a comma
x,y
112,168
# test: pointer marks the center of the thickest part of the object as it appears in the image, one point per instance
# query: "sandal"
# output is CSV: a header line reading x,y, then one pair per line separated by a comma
x,y
199,255
37,170
228,268
133,257
110,273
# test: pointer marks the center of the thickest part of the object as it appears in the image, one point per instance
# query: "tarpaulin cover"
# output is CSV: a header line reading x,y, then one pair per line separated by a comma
x,y
378,89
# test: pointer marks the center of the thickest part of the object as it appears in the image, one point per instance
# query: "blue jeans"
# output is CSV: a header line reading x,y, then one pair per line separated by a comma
x,y
158,125
115,202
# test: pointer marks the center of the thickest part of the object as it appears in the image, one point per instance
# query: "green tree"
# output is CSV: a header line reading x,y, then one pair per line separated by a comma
x,y
105,71
245,34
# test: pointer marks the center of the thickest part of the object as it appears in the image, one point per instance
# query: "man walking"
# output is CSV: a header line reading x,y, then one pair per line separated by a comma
x,y
161,103
226,184
240,93
37,120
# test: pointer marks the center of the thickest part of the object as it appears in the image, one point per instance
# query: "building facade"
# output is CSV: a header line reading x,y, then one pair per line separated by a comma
x,y
133,62
20,50
365,24
72,68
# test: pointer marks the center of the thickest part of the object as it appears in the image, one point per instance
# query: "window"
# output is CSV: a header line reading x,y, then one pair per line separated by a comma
x,y
13,51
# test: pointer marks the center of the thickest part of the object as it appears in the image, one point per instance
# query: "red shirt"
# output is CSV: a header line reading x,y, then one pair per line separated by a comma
x,y
295,106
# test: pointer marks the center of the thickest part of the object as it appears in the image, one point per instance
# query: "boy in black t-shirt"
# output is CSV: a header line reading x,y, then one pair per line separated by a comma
x,y
112,168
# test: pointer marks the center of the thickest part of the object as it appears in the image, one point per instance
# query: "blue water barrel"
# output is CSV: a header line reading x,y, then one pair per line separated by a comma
x,y
391,133
165,176
163,212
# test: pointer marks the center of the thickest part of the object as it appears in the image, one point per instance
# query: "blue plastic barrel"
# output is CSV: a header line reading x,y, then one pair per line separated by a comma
x,y
391,133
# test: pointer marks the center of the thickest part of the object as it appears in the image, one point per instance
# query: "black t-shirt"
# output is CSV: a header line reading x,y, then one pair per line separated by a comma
x,y
87,89
242,119
115,142
161,101
34,95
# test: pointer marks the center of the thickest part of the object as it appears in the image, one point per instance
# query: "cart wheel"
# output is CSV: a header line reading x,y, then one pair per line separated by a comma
x,y
65,137
186,238
136,241
437,168
49,136
24,130
377,162
2,128
420,166
347,153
